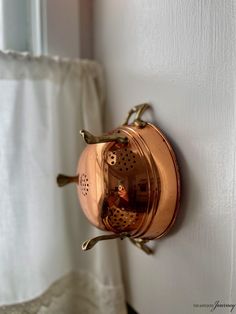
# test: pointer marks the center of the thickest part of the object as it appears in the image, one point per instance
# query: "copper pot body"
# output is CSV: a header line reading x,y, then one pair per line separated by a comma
x,y
133,187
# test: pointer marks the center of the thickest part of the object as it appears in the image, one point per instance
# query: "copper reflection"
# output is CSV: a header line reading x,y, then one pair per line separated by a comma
x,y
128,182
127,191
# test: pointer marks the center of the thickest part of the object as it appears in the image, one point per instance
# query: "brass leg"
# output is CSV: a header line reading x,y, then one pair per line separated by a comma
x,y
91,139
63,179
141,244
87,245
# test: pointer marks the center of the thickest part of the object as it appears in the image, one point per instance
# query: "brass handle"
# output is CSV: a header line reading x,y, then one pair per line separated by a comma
x,y
64,180
140,243
87,245
139,110
92,139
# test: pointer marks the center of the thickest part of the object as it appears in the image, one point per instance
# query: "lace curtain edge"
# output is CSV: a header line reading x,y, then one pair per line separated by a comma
x,y
75,292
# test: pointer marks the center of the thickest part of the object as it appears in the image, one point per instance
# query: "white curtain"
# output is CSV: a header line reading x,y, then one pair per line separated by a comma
x,y
44,102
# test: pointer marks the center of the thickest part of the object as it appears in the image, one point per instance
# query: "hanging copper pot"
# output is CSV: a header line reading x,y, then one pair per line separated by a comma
x,y
128,182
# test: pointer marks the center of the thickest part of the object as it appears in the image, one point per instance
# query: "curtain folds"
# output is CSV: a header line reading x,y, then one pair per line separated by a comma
x,y
44,103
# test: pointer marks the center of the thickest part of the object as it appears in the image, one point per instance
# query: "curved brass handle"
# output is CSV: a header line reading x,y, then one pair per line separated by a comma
x,y
140,243
139,110
87,245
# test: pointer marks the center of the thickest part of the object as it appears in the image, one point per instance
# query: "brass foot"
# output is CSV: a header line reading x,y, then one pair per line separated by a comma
x,y
141,244
64,180
87,245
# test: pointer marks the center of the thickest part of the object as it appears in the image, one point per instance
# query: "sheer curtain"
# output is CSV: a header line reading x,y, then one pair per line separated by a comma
x,y
44,103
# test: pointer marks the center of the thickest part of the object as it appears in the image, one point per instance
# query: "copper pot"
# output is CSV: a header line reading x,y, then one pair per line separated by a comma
x,y
128,182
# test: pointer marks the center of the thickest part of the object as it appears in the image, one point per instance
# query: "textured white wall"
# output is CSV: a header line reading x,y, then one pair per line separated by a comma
x,y
179,55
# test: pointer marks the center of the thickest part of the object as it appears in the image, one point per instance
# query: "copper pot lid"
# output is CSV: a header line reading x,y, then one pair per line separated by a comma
x,y
128,182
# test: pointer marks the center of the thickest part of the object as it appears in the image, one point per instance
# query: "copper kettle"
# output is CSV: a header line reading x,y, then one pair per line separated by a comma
x,y
128,182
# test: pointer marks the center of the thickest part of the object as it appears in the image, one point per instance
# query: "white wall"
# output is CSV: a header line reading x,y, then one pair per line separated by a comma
x,y
179,55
